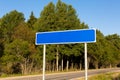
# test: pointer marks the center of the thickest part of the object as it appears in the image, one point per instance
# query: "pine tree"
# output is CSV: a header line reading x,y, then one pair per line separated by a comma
x,y
46,22
31,21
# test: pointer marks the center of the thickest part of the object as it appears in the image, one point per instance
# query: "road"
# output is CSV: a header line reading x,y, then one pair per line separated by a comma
x,y
63,76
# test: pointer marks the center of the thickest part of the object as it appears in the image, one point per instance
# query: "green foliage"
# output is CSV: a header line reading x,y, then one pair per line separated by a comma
x,y
1,41
22,31
114,40
46,22
31,21
59,17
14,53
16,50
9,22
51,52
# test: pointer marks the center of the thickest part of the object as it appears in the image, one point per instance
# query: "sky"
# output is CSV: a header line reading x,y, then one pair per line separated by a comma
x,y
103,15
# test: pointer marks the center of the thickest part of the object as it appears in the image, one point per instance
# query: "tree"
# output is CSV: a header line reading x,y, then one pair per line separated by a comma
x,y
68,20
1,40
96,50
61,19
31,21
46,22
18,53
114,41
9,22
1,45
22,31
21,49
15,53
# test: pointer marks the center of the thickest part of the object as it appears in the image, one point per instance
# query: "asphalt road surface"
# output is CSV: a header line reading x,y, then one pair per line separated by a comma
x,y
63,76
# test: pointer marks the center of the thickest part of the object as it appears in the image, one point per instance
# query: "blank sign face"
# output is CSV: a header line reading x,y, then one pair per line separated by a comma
x,y
66,37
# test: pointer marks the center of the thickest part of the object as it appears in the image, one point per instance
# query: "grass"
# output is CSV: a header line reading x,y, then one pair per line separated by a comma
x,y
9,75
101,77
107,76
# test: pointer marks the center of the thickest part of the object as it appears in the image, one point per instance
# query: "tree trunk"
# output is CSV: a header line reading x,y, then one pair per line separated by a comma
x,y
24,67
67,66
53,66
57,58
88,62
110,65
30,66
62,63
80,65
72,65
96,65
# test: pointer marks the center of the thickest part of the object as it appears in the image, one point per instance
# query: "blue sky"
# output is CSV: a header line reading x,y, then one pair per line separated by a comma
x,y
100,14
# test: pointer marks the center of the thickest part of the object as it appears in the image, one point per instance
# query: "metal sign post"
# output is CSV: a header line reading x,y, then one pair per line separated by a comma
x,y
44,60
86,67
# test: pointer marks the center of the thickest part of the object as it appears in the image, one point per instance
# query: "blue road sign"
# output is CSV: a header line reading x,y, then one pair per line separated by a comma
x,y
66,37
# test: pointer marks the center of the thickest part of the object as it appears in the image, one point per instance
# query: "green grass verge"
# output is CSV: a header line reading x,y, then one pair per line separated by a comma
x,y
107,76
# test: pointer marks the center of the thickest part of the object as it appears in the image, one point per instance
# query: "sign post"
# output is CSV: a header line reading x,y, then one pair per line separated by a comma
x,y
86,67
44,60
66,37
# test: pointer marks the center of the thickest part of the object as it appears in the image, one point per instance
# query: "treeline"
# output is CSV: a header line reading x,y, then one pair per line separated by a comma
x,y
20,55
